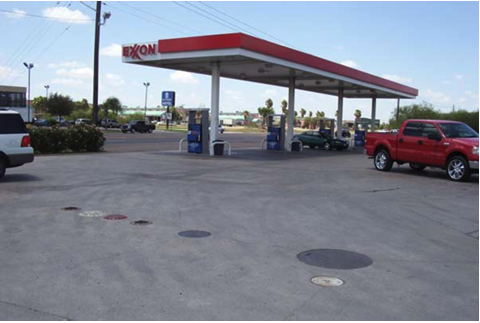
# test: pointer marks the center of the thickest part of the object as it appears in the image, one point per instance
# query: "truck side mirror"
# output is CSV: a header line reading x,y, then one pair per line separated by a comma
x,y
434,136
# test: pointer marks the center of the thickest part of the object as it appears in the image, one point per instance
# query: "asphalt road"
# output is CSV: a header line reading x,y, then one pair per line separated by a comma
x,y
405,243
164,140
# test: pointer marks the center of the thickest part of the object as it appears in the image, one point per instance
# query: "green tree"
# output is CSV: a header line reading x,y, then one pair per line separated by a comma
x,y
264,112
39,104
284,105
82,105
269,103
111,104
303,112
310,114
321,114
357,114
176,116
59,105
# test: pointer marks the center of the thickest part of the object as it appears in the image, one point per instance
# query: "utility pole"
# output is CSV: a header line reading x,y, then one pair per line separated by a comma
x,y
398,108
454,108
95,61
146,95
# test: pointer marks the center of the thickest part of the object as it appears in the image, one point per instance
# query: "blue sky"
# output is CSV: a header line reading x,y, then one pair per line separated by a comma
x,y
432,46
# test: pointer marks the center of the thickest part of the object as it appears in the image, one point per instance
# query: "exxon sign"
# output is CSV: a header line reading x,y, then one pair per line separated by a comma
x,y
139,51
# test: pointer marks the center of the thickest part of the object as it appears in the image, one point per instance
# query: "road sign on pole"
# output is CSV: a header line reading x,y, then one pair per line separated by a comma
x,y
168,98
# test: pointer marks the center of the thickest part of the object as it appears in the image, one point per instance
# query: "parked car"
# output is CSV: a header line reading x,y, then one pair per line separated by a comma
x,y
138,126
42,123
449,145
83,121
345,133
221,129
15,147
110,123
314,139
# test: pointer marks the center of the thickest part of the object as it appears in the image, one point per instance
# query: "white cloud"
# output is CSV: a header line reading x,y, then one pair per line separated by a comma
x,y
438,97
114,79
67,81
67,15
81,72
16,14
459,77
68,64
446,82
183,77
7,71
338,48
269,93
233,95
114,50
397,78
349,63
471,95
462,100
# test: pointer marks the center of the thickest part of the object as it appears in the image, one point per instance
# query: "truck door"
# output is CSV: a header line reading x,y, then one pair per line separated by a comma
x,y
409,142
432,151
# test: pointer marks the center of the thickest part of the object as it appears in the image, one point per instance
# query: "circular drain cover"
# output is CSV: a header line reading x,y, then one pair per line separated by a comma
x,y
194,234
115,217
141,222
92,214
326,281
71,208
334,259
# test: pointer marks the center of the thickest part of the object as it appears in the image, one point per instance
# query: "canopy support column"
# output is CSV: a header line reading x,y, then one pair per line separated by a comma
x,y
215,104
340,114
291,112
374,111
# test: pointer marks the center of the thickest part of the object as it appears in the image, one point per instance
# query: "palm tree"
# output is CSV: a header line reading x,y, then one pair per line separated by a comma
x,y
284,107
357,114
321,114
246,115
310,114
303,112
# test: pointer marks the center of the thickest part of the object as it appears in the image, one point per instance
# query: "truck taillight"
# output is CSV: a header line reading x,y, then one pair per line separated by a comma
x,y
25,141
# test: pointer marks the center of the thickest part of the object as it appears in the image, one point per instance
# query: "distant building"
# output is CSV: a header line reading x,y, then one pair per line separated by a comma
x,y
15,98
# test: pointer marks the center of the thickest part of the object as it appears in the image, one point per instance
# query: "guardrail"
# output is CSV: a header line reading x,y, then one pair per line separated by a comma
x,y
180,144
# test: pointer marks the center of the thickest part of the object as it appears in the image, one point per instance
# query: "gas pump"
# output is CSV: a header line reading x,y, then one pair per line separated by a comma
x,y
361,127
327,122
198,135
276,132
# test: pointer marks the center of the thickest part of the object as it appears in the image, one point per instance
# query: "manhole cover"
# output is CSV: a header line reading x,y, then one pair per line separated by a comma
x,y
115,217
92,214
194,234
71,208
326,281
334,259
141,222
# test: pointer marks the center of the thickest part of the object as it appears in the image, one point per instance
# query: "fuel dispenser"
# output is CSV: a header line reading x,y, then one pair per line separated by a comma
x,y
276,132
198,135
361,127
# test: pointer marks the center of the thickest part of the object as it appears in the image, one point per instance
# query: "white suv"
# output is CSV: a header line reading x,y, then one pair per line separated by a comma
x,y
15,147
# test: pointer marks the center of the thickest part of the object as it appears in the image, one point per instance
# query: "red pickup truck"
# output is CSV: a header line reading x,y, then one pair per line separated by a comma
x,y
450,145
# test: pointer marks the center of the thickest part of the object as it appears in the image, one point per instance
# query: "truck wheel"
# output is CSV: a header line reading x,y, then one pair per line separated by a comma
x,y
327,146
417,167
133,130
150,130
382,161
3,167
458,169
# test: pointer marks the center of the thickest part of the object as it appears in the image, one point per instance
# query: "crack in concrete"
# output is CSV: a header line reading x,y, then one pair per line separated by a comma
x,y
35,310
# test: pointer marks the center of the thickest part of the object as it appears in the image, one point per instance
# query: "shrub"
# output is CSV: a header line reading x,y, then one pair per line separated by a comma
x,y
81,138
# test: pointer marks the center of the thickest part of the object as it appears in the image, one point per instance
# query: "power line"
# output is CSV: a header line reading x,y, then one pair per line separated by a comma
x,y
219,18
142,18
44,17
160,17
248,25
199,13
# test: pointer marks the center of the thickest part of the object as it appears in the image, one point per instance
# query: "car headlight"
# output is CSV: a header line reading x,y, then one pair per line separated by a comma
x,y
475,150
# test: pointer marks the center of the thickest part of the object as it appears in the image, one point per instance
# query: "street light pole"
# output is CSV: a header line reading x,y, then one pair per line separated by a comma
x,y
29,67
146,95
46,97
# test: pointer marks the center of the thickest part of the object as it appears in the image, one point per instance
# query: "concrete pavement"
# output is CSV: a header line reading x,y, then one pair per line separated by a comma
x,y
262,209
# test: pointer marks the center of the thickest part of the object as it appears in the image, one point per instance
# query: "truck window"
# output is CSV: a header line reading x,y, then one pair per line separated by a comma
x,y
12,124
429,128
413,129
457,130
